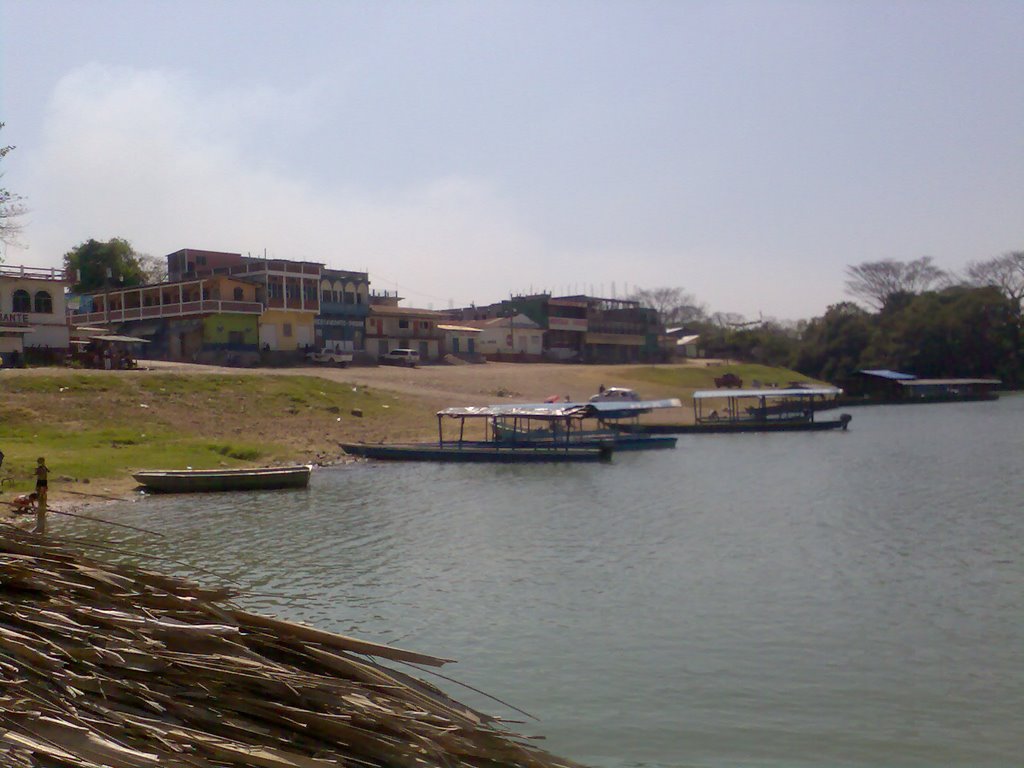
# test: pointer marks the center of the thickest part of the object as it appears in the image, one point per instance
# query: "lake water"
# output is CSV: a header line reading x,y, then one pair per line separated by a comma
x,y
828,599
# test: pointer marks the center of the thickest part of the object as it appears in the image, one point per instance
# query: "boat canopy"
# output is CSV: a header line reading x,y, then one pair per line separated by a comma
x,y
705,394
560,410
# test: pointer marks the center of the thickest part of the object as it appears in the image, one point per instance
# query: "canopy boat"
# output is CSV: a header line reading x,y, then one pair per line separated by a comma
x,y
525,433
207,480
753,410
575,424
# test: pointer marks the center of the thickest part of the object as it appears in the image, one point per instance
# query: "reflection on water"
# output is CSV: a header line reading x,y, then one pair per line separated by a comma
x,y
847,599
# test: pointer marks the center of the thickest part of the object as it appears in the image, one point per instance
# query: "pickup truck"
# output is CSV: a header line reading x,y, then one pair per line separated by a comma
x,y
334,355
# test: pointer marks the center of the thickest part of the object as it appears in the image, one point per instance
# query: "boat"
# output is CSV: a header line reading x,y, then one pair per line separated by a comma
x,y
208,480
525,433
753,410
477,452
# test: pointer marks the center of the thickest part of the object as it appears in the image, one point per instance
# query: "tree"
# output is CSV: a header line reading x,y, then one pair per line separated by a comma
x,y
154,269
878,282
1004,272
674,305
833,346
959,331
10,207
98,266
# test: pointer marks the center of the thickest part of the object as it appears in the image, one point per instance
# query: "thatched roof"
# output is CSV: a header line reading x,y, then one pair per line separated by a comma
x,y
104,665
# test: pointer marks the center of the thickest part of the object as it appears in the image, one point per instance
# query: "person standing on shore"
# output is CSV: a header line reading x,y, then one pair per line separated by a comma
x,y
42,477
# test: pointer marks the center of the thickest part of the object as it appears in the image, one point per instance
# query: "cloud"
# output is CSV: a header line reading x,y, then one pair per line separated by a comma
x,y
153,157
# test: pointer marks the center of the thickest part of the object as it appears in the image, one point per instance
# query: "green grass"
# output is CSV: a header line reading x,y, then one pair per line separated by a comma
x,y
95,427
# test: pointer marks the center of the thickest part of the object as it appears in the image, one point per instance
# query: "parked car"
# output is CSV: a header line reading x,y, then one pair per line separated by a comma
x,y
334,355
406,357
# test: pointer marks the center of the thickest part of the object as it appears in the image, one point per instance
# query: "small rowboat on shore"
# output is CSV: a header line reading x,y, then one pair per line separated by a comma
x,y
210,480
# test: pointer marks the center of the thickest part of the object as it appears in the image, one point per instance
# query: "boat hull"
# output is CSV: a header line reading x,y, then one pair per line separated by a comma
x,y
476,453
731,427
214,480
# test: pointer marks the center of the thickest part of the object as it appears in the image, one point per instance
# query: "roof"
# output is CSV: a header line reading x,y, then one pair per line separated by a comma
x,y
381,309
705,394
884,373
948,382
520,321
126,339
459,328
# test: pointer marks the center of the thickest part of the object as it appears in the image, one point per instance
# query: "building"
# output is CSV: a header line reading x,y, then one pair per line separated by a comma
x,y
206,319
33,315
391,327
517,337
289,292
461,341
344,306
583,328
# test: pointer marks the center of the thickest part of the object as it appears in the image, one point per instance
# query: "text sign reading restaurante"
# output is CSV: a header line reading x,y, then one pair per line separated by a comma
x,y
13,317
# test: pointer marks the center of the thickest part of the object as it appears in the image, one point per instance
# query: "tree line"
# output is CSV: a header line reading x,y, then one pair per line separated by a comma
x,y
912,316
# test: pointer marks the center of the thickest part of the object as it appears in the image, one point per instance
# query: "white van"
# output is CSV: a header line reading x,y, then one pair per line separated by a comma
x,y
407,357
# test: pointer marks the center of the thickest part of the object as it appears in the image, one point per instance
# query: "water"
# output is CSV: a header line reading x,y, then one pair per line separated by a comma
x,y
840,599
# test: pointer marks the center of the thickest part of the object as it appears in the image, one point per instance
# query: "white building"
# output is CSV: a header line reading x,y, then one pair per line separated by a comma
x,y
518,335
33,314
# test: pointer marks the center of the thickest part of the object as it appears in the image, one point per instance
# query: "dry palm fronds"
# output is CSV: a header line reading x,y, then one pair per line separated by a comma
x,y
115,666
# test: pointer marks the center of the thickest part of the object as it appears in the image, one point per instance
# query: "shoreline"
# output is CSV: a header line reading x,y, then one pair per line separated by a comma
x,y
295,415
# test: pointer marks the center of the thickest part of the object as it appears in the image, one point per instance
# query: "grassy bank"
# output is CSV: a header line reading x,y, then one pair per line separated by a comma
x,y
95,426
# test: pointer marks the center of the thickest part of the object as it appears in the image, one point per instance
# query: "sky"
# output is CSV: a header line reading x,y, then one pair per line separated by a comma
x,y
464,150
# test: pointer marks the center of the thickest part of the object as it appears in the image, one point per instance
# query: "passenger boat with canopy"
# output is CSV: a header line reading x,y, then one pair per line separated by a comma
x,y
753,410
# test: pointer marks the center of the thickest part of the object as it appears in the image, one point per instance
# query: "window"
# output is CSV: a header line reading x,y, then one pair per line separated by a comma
x,y
21,302
403,323
288,330
236,338
44,303
239,294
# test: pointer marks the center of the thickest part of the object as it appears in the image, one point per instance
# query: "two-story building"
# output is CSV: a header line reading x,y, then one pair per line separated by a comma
x,y
392,327
33,316
205,319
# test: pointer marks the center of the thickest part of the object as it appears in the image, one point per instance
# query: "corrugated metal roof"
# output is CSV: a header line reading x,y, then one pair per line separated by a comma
x,y
705,394
885,373
947,382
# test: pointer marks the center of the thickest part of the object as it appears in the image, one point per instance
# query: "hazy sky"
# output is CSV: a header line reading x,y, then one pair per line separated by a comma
x,y
461,151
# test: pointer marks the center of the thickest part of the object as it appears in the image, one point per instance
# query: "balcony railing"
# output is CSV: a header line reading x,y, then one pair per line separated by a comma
x,y
177,309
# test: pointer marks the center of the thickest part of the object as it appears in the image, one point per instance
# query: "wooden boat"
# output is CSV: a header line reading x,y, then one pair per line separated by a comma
x,y
208,480
477,452
772,410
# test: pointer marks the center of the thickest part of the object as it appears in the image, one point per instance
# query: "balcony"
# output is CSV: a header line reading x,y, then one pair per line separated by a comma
x,y
177,309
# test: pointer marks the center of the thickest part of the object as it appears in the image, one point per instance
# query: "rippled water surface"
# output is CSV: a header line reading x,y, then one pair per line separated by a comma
x,y
840,599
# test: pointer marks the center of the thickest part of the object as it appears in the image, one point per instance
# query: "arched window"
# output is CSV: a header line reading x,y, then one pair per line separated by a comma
x,y
44,303
21,301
